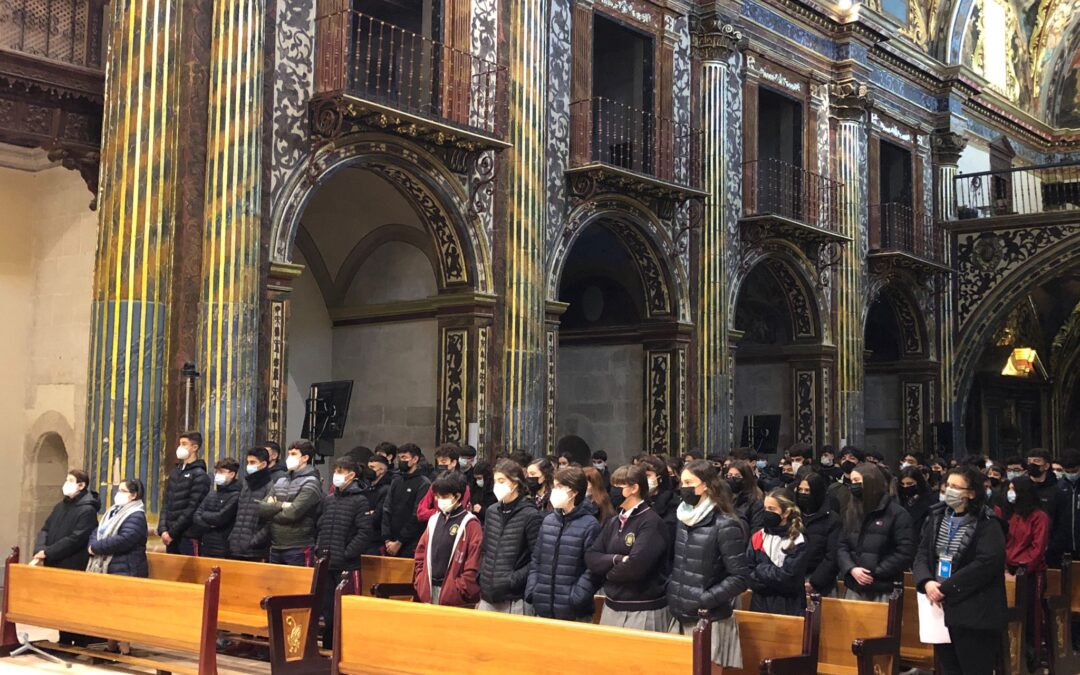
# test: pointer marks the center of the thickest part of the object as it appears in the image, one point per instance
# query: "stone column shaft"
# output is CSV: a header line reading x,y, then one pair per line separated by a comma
x,y
947,148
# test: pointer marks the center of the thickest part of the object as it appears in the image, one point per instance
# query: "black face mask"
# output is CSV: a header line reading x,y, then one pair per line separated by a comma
x,y
403,466
533,483
995,482
909,491
440,470
689,496
369,475
1034,470
856,490
806,504
771,520
848,466
786,478
736,484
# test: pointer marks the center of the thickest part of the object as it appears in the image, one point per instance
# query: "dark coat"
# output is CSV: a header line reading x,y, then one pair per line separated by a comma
x,y
127,547
399,522
215,518
67,530
510,533
822,533
666,504
346,527
187,486
920,508
250,538
751,510
975,593
710,570
376,496
884,544
639,583
560,586
778,589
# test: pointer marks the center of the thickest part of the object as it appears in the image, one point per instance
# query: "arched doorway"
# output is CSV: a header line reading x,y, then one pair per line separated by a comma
x,y
782,368
48,471
620,364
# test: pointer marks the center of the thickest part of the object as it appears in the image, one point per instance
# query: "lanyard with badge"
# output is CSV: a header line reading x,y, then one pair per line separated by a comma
x,y
944,567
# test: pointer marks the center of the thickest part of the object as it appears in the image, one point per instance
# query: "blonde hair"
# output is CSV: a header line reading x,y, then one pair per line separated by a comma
x,y
794,516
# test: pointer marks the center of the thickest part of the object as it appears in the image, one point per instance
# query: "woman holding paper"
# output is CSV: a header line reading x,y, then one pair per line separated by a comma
x,y
960,566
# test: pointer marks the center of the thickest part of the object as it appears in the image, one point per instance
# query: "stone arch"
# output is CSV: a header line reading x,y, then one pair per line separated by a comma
x,y
794,273
640,231
914,333
461,246
45,465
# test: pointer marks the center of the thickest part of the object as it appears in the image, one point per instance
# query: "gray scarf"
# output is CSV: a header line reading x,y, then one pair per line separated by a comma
x,y
110,525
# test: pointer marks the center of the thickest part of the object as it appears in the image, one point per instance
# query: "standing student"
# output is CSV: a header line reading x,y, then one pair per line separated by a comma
x,y
379,479
662,497
916,496
185,488
447,559
827,465
821,529
960,566
597,496
710,569
1026,546
118,544
511,527
777,558
600,463
346,530
277,462
560,585
631,556
749,499
216,515
480,489
400,528
540,475
878,541
446,460
250,537
292,508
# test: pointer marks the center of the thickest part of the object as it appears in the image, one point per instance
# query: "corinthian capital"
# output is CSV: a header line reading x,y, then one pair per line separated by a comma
x,y
850,99
948,146
714,40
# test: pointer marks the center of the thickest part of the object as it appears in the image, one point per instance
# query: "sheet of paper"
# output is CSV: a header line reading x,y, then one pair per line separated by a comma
x,y
932,630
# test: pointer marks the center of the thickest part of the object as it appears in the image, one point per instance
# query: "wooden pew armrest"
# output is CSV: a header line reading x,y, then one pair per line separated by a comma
x,y
789,665
875,646
393,590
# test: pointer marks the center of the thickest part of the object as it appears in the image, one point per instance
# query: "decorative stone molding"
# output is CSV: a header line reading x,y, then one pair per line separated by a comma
x,y
850,99
712,40
947,147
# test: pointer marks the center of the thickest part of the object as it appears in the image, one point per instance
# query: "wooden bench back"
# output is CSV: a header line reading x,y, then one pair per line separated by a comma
x,y
166,614
375,569
490,643
243,584
843,622
767,636
913,648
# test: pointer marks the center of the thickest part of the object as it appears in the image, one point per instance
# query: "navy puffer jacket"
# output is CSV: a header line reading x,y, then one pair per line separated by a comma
x,y
559,585
127,547
710,570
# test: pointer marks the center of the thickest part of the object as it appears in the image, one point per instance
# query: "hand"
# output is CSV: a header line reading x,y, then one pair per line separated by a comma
x,y
166,538
1010,577
40,555
392,547
285,505
862,576
476,508
933,592
809,587
90,550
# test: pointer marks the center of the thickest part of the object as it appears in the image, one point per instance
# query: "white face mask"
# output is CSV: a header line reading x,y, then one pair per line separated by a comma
x,y
182,453
464,462
340,479
121,498
654,483
221,479
252,468
479,482
502,491
292,463
70,489
446,504
826,461
904,465
599,466
1011,496
560,498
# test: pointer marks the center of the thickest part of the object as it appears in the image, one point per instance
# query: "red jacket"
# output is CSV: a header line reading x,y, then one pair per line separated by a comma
x,y
461,586
427,506
1027,541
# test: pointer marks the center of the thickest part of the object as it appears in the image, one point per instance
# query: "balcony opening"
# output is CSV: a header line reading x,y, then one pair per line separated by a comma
x,y
622,96
781,183
895,213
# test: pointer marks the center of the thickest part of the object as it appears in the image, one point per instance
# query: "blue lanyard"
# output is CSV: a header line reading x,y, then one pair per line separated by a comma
x,y
953,529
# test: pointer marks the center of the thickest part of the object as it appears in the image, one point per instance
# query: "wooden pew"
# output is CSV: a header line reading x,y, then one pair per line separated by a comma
x,y
861,637
490,643
779,645
172,616
375,569
1058,606
1012,660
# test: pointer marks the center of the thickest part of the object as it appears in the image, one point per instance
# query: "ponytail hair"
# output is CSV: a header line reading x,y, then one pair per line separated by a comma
x,y
794,516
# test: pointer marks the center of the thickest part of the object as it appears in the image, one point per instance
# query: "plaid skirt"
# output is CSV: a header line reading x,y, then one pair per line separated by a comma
x,y
726,650
518,607
658,620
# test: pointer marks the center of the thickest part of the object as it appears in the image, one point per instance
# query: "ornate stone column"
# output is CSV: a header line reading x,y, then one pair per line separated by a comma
x,y
228,333
138,203
850,101
522,238
716,46
947,147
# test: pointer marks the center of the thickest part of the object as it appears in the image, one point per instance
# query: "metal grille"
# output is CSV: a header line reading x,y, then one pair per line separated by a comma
x,y
68,31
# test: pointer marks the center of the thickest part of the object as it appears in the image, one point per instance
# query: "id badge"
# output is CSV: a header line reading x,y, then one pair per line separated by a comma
x,y
944,568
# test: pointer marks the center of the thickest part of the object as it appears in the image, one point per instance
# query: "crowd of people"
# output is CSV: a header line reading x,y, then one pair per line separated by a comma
x,y
660,538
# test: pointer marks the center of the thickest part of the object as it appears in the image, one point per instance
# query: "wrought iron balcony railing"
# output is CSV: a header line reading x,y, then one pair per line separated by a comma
x,y
775,188
65,31
1027,190
375,61
896,228
613,134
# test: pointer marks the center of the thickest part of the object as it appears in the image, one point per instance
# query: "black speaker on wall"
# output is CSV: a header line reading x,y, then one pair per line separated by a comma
x,y
942,433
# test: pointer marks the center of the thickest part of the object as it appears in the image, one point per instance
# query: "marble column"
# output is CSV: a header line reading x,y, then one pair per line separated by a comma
x,y
228,332
850,101
947,147
522,241
715,45
132,296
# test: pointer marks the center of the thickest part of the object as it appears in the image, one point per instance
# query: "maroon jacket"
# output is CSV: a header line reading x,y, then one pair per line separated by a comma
x,y
461,586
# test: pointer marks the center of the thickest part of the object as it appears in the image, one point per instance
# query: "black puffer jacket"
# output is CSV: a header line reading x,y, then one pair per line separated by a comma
x,y
822,534
751,510
666,503
884,545
214,520
560,586
346,527
187,486
710,567
67,530
376,495
510,532
399,522
250,538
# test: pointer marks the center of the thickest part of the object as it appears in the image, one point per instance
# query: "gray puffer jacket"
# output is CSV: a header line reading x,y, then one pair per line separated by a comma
x,y
710,570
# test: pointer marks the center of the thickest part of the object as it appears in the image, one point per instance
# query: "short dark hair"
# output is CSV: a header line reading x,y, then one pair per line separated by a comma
x,y
228,464
304,446
409,449
628,475
347,463
378,458
449,450
1040,453
467,451
574,478
80,476
1014,459
522,457
828,449
259,453
386,448
1070,457
600,455
694,454
975,480
194,436
450,483
271,445
801,450
858,454
135,487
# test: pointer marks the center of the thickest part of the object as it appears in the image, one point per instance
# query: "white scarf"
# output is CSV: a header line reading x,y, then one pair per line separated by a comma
x,y
692,515
109,526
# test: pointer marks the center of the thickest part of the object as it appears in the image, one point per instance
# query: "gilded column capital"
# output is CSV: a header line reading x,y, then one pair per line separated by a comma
x,y
713,40
947,147
850,100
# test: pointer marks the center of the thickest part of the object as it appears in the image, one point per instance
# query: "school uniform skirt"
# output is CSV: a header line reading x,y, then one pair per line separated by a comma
x,y
726,650
658,620
866,597
518,607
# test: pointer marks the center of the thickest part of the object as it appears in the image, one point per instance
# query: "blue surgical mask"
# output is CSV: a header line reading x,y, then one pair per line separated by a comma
x,y
1072,476
761,464
1012,475
941,497
989,493
252,468
479,482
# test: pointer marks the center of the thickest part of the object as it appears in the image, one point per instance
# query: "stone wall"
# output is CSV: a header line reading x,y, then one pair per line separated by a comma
x,y
764,389
883,432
